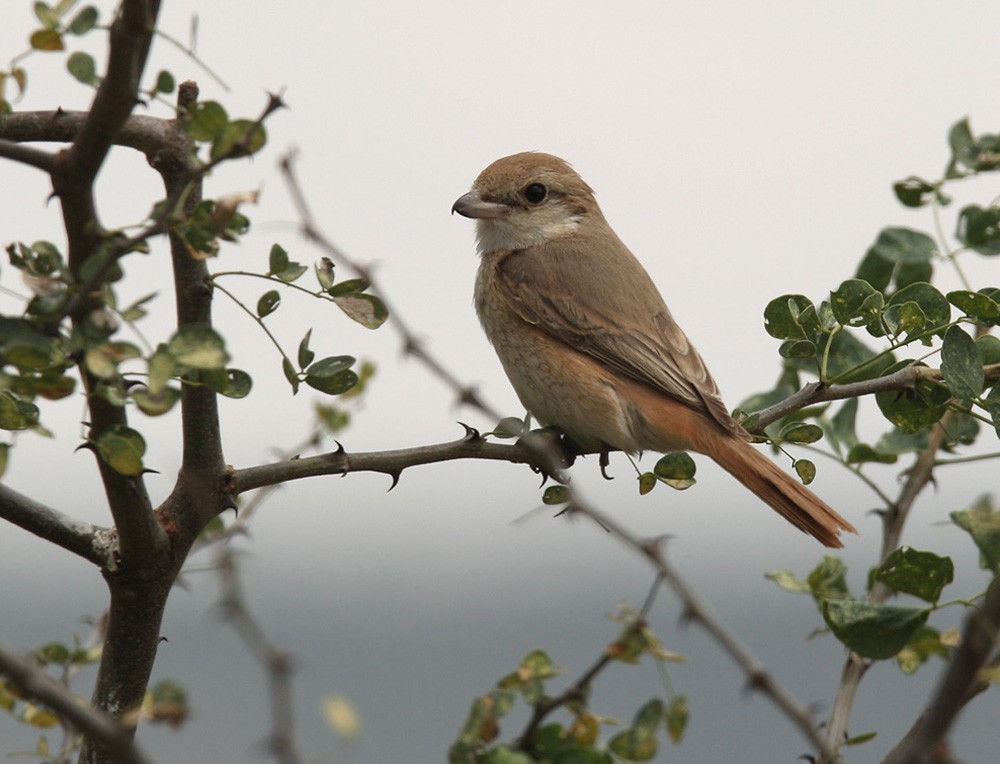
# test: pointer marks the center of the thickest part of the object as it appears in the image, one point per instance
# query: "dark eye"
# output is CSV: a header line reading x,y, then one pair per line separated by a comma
x,y
535,193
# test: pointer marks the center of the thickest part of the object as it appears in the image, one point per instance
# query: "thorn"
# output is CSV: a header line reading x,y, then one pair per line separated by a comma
x,y
471,433
149,471
340,447
395,479
86,445
545,475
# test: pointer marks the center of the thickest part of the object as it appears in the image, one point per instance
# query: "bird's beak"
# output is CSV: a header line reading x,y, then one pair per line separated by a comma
x,y
475,205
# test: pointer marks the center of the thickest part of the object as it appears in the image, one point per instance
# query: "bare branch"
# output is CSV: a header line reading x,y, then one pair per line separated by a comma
x,y
91,542
41,160
276,662
96,726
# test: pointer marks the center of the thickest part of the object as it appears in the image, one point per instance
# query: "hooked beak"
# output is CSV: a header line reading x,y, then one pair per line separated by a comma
x,y
475,205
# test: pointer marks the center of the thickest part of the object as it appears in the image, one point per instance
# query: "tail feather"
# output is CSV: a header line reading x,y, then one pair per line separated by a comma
x,y
779,490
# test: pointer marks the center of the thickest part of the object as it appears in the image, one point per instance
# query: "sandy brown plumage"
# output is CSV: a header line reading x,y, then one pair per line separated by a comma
x,y
588,342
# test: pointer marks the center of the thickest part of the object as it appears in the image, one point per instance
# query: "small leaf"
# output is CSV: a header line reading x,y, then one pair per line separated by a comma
x,y
198,346
788,581
349,286
864,737
982,523
332,375
555,494
979,229
806,470
367,309
268,303
206,119
647,482
155,404
164,82
901,245
914,192
976,305
240,138
801,433
83,67
290,374
924,643
922,574
934,305
46,40
873,631
306,356
84,21
791,317
961,364
510,427
827,580
677,717
122,449
676,469
277,259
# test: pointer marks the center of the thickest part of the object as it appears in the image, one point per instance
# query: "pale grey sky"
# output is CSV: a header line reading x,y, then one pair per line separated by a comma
x,y
742,150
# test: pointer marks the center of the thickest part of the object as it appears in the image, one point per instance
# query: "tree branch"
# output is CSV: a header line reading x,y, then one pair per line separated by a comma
x,y
41,160
392,463
91,542
921,744
906,378
95,725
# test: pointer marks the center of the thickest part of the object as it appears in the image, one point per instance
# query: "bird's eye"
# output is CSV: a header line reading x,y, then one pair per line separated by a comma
x,y
535,193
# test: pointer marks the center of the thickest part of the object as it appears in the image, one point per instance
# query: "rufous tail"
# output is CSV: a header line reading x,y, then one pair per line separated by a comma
x,y
783,493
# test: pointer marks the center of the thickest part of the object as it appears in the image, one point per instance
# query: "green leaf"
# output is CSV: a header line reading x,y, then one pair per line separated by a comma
x,y
367,309
827,580
164,82
268,303
236,384
801,433
791,317
873,631
934,305
277,259
510,427
982,523
349,286
46,40
30,352
676,469
903,245
647,719
555,494
84,21
922,574
976,305
324,273
291,273
83,67
647,482
862,453
155,404
913,410
102,360
16,414
797,349
788,581
979,229
961,364
332,375
206,119
806,470
198,346
306,356
290,374
989,349
122,449
914,191
677,717
856,303
924,643
633,746
864,737
240,138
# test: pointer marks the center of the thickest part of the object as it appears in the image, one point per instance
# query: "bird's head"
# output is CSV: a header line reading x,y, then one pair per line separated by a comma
x,y
524,200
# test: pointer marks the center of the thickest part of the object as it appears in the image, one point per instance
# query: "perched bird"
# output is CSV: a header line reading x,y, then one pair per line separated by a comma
x,y
587,341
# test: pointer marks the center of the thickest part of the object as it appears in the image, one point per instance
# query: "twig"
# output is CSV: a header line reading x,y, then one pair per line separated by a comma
x,y
96,726
578,690
276,662
958,685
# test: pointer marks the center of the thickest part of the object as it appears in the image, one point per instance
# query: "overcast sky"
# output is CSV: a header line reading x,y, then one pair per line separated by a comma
x,y
742,150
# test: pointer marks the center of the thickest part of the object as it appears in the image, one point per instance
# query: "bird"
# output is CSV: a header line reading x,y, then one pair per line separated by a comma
x,y
588,342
